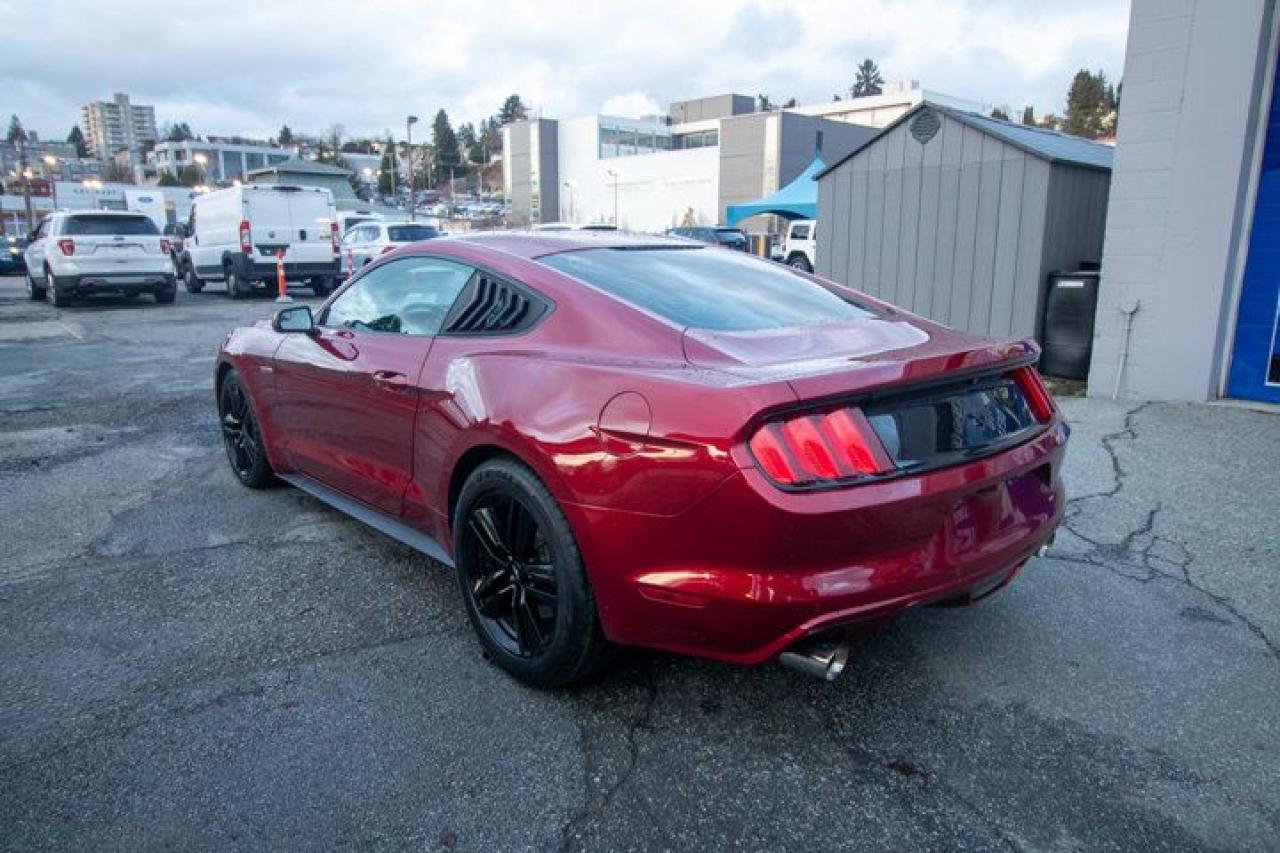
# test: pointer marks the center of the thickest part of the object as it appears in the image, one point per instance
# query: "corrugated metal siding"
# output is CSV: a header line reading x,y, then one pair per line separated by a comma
x,y
955,229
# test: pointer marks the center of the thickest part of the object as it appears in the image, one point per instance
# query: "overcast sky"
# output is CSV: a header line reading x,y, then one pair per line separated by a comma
x,y
230,67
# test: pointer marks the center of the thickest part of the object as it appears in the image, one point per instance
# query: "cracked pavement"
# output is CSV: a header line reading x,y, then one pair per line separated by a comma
x,y
188,664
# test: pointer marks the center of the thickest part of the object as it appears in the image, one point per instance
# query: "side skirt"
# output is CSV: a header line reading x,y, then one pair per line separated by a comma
x,y
379,521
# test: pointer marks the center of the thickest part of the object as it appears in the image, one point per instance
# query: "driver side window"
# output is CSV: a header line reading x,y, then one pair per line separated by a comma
x,y
410,296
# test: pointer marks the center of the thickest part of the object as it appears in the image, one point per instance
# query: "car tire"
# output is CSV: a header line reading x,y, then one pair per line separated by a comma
x,y
799,262
242,435
522,578
57,296
236,288
34,291
191,281
321,285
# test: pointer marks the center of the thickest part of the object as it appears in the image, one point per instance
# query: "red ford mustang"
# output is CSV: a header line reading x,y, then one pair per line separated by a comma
x,y
650,442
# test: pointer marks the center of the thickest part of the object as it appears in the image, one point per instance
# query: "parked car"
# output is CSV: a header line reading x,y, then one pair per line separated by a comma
x,y
364,243
233,236
93,252
348,219
730,238
798,245
11,254
742,466
174,233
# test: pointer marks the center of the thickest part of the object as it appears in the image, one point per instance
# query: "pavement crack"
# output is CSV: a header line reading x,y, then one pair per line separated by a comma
x,y
594,806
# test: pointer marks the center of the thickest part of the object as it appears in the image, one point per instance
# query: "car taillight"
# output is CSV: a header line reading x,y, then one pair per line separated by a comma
x,y
165,247
1033,389
246,239
333,234
67,245
818,448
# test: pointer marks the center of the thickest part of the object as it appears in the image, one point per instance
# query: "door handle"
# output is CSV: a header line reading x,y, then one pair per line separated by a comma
x,y
391,380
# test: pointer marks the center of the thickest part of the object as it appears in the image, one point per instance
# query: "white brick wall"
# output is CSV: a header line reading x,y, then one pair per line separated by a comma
x,y
1177,209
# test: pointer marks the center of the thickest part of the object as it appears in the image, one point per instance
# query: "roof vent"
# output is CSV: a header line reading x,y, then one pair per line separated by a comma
x,y
925,126
491,306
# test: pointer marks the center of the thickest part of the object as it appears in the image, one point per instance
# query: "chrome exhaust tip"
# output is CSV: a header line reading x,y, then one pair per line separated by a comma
x,y
824,659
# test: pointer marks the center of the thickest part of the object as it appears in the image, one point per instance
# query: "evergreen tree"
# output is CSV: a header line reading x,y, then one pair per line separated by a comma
x,y
1028,116
1090,105
445,143
16,133
1000,113
763,104
513,109
387,168
76,137
179,132
285,137
469,139
868,80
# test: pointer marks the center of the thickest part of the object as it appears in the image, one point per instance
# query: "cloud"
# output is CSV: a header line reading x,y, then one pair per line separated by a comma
x,y
631,105
240,67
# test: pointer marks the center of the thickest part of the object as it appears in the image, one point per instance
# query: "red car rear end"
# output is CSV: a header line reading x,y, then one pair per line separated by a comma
x,y
690,449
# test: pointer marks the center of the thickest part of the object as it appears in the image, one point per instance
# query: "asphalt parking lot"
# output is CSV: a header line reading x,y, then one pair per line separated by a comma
x,y
188,664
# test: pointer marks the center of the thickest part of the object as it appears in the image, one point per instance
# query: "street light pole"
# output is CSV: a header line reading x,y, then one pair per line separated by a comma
x,y
201,159
51,161
26,182
409,122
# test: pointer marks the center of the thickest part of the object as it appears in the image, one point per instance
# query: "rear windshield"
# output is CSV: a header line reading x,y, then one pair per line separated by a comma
x,y
410,233
105,226
732,237
709,289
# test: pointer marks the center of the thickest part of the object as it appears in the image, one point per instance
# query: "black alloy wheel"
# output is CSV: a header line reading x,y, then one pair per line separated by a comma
x,y
523,580
240,434
512,578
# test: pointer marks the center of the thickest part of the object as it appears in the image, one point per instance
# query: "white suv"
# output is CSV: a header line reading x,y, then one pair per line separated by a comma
x,y
366,241
100,251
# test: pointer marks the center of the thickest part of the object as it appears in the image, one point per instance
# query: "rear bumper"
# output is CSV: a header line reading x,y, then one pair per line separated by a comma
x,y
85,284
749,570
260,268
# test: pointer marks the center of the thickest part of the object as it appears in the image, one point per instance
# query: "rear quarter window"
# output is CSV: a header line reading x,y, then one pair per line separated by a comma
x,y
105,226
709,289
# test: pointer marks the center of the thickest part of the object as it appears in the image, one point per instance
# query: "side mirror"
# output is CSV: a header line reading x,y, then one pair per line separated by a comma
x,y
180,231
295,319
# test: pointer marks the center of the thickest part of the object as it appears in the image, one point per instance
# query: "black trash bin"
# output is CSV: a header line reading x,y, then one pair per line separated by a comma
x,y
1070,307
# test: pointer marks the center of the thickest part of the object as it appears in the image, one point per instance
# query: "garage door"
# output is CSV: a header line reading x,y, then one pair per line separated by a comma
x,y
1255,360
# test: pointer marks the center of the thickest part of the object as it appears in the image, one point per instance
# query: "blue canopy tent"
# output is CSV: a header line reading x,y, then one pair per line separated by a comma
x,y
797,200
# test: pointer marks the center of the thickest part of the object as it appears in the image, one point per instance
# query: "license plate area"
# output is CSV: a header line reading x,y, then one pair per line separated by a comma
x,y
952,424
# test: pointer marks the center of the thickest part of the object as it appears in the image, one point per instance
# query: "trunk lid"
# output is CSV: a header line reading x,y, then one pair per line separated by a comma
x,y
854,358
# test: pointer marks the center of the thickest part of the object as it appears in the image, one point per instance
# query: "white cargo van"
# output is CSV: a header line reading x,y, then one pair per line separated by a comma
x,y
233,236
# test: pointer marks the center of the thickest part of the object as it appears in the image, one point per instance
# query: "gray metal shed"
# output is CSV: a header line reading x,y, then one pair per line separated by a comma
x,y
960,217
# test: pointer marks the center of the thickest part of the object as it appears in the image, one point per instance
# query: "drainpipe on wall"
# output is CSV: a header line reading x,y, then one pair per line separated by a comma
x,y
1128,310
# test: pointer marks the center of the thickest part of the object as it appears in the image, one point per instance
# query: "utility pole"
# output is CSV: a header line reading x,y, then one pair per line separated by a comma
x,y
409,122
26,183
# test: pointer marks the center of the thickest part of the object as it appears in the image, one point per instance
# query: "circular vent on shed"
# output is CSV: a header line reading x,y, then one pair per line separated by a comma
x,y
925,126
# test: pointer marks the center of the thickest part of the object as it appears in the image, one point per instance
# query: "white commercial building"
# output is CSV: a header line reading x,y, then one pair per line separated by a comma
x,y
217,159
685,167
117,123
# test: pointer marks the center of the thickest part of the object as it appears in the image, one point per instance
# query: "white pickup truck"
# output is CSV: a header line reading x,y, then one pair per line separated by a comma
x,y
798,244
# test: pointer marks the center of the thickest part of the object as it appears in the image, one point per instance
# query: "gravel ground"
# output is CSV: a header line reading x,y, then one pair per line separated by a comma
x,y
189,664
